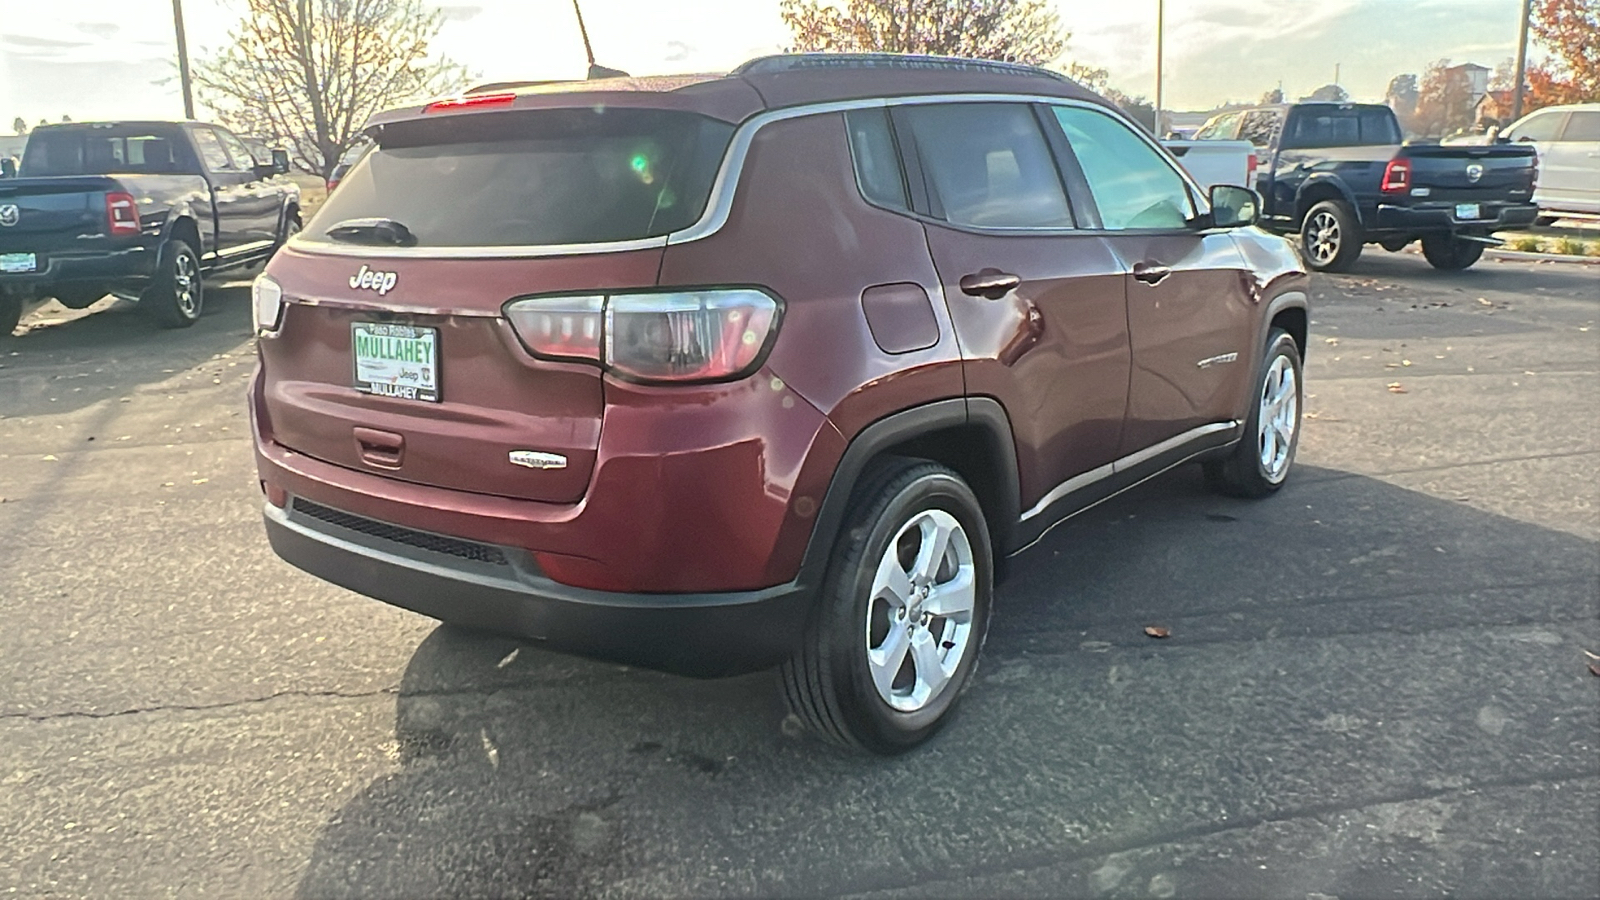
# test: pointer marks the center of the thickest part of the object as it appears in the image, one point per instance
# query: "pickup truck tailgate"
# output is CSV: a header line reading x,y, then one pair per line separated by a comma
x,y
1500,173
60,209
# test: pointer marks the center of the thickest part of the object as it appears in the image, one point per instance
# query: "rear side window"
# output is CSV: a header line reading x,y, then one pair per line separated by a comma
x,y
538,177
1259,127
1218,129
101,151
1133,185
1538,128
877,161
988,165
1378,126
1582,126
1323,128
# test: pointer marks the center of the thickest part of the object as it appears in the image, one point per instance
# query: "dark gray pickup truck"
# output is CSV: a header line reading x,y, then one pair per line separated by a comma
x,y
1341,175
142,210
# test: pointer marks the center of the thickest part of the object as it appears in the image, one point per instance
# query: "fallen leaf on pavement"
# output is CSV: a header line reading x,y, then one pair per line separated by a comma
x,y
1591,655
1396,388
1594,670
1161,631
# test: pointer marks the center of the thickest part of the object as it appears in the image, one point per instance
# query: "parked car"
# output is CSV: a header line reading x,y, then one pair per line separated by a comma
x,y
774,368
347,160
1215,162
1340,175
1567,139
143,210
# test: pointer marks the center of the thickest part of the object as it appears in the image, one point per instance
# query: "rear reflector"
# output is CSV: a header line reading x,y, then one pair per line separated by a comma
x,y
470,102
122,213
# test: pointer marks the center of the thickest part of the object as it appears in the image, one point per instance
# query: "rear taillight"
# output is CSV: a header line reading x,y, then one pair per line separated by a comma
x,y
1397,176
331,184
1250,170
122,214
266,303
677,336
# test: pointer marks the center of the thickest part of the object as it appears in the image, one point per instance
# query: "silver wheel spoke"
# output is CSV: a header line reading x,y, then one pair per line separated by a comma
x,y
891,583
886,659
935,544
954,599
931,675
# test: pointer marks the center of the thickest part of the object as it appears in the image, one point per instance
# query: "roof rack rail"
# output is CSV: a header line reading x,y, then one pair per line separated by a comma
x,y
795,62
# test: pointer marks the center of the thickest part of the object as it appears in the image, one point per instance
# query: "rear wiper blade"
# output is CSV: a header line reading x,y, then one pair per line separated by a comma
x,y
373,231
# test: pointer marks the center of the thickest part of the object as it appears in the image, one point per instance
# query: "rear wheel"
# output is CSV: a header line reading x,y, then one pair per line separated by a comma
x,y
1260,462
175,296
902,615
1450,253
1330,236
10,314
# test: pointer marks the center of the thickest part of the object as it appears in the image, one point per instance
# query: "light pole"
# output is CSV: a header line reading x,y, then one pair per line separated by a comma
x,y
183,60
1161,16
1522,61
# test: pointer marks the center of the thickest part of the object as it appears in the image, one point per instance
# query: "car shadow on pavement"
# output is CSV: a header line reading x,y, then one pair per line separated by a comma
x,y
118,345
1367,690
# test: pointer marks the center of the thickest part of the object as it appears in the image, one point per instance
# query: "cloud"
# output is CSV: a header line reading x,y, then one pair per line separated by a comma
x,y
103,30
39,43
461,13
677,51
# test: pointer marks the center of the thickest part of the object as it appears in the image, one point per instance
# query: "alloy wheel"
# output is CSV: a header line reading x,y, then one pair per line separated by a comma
x,y
1323,237
183,279
1278,418
920,613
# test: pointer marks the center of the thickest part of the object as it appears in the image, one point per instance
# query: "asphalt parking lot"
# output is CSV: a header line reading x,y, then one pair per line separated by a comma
x,y
1375,683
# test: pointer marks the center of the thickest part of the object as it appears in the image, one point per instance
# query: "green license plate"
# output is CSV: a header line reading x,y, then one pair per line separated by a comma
x,y
18,262
396,360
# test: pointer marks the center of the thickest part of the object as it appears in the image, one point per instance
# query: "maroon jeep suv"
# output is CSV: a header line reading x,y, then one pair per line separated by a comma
x,y
717,373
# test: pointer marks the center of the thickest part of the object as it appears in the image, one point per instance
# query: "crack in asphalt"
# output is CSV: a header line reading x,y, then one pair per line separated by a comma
x,y
202,707
1048,860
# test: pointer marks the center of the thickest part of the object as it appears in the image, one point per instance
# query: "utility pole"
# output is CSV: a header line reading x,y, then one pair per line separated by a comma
x,y
1522,61
183,60
1161,16
1336,67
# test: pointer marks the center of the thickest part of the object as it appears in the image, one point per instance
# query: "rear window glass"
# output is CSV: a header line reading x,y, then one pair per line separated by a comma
x,y
102,151
566,176
1342,128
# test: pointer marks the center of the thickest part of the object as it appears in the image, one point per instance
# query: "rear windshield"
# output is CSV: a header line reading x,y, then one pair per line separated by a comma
x,y
1342,127
566,176
115,150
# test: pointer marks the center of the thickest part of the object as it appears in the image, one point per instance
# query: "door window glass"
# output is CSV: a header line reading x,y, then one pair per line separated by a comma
x,y
1218,129
1378,126
1132,184
1539,128
877,163
216,159
989,165
242,157
1258,127
1583,126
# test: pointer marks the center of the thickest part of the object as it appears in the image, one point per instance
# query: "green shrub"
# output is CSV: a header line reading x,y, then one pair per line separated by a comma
x,y
1526,244
1571,247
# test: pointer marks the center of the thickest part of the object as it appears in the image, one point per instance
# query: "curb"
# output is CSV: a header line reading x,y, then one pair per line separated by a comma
x,y
1525,256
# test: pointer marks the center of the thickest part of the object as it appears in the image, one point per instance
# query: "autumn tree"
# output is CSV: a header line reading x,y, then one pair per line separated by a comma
x,y
1328,93
308,73
1568,30
1272,97
1027,31
1444,100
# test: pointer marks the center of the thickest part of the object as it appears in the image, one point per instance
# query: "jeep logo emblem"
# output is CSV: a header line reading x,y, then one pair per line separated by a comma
x,y
368,280
9,214
1474,172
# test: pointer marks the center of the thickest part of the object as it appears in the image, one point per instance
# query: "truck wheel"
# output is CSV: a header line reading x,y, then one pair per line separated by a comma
x,y
1260,462
1450,253
175,296
80,298
291,227
10,314
1330,236
902,615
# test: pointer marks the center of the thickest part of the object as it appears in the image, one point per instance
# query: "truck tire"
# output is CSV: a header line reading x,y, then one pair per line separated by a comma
x,y
1449,253
902,614
1330,236
10,314
79,298
174,298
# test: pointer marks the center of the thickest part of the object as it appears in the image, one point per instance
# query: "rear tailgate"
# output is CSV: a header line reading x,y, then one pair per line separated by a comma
x,y
52,213
1498,174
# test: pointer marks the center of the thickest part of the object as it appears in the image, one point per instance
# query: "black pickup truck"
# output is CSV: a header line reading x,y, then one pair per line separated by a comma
x,y
142,210
1341,175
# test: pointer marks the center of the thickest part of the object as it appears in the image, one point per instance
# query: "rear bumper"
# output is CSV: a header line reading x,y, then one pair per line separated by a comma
x,y
127,269
1499,217
500,589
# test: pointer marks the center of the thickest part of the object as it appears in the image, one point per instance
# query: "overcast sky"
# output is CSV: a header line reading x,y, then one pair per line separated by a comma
x,y
114,58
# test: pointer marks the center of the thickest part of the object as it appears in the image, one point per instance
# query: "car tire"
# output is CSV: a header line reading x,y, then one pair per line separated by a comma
x,y
1395,245
1450,254
1259,464
80,299
879,669
1330,236
291,227
10,314
175,297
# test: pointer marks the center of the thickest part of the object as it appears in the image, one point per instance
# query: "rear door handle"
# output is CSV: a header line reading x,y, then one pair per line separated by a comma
x,y
989,283
1150,274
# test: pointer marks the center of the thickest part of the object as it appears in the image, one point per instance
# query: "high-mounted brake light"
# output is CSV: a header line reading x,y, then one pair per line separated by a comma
x,y
1397,176
477,100
122,213
670,336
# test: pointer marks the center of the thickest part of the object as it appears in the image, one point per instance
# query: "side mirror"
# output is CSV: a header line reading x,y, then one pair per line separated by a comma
x,y
280,162
1233,207
8,167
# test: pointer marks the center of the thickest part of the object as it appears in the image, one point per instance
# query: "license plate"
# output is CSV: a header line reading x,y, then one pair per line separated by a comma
x,y
396,360
1468,211
18,262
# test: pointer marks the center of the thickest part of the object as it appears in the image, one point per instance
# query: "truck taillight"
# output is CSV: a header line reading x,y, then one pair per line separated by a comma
x,y
670,336
1250,170
1397,176
122,213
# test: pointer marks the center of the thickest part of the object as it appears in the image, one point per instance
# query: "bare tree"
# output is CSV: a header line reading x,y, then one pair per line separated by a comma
x,y
1027,31
19,125
309,73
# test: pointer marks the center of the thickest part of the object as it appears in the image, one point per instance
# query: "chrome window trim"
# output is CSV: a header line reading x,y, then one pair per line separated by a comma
x,y
1079,482
720,204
